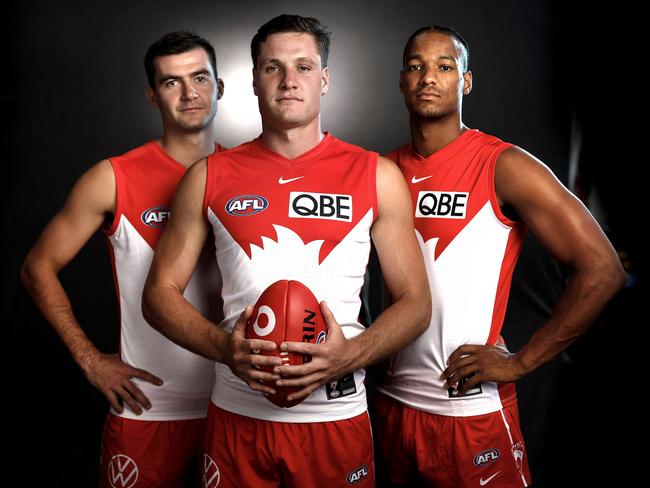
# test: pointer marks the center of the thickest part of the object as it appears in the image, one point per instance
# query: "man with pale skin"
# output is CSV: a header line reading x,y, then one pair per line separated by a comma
x,y
250,441
448,406
158,392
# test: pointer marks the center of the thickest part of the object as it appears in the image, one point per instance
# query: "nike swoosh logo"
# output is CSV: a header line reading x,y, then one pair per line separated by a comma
x,y
282,181
415,180
485,481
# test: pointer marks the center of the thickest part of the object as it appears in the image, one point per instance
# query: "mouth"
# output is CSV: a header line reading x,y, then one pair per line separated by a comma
x,y
191,109
427,95
288,99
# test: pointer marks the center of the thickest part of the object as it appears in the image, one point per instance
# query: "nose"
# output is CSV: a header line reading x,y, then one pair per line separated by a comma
x,y
288,80
428,77
189,93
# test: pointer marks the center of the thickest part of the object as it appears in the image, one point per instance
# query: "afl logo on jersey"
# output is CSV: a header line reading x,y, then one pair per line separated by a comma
x,y
487,457
156,216
243,205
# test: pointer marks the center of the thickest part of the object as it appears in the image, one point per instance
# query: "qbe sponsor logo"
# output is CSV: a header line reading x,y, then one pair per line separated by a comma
x,y
328,206
441,205
486,457
244,205
358,474
156,217
122,471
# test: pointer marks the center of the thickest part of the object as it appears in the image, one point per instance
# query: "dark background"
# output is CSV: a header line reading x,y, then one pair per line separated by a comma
x,y
559,81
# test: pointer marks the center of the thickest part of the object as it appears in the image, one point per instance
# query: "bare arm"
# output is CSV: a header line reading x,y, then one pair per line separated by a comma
x,y
91,199
405,276
164,306
569,232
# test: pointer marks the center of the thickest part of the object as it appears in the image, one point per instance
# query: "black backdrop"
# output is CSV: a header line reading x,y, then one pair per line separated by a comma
x,y
557,82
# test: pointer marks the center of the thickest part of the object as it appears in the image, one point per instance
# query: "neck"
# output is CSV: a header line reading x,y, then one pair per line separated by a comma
x,y
188,147
292,142
430,135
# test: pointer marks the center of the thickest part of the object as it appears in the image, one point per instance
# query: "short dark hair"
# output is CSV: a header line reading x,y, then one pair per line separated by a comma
x,y
448,31
293,23
177,42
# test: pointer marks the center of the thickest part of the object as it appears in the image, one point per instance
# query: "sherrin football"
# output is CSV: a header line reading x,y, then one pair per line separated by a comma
x,y
286,311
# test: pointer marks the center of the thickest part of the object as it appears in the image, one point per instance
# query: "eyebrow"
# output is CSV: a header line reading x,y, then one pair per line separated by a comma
x,y
167,77
302,59
419,57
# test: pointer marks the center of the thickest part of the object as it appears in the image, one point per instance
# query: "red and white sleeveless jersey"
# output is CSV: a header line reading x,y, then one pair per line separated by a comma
x,y
470,249
146,179
305,219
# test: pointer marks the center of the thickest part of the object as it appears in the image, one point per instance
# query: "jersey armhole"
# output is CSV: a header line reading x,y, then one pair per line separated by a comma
x,y
109,229
496,208
209,184
372,184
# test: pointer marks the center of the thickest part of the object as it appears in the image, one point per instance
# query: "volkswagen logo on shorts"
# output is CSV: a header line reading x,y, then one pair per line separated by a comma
x,y
122,471
156,216
211,473
243,205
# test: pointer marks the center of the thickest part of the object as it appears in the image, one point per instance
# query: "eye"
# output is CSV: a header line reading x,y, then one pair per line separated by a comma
x,y
202,79
272,68
414,67
171,83
446,67
304,68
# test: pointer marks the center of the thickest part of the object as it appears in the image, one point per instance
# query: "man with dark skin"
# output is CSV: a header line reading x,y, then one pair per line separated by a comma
x,y
448,407
158,392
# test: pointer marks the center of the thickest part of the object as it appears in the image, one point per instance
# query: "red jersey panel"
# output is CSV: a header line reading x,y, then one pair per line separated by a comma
x,y
470,250
146,180
306,219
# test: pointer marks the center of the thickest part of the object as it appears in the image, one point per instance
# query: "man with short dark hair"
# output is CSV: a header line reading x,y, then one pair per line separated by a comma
x,y
153,441
312,204
448,409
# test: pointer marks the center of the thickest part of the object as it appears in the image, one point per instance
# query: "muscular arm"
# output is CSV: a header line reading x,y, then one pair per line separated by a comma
x,y
405,276
569,232
91,199
164,306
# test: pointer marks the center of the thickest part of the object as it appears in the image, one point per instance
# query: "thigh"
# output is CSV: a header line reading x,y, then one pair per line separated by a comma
x,y
238,452
392,429
482,450
142,454
337,453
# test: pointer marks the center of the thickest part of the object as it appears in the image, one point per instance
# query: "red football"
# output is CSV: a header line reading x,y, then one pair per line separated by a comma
x,y
287,311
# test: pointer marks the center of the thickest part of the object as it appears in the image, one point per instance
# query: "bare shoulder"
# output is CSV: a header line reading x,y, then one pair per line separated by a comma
x,y
520,176
388,174
95,189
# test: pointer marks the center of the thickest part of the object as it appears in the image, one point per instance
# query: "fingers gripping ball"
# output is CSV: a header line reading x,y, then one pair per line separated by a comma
x,y
287,311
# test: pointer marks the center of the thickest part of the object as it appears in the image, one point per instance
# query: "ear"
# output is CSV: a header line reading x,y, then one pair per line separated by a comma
x,y
325,81
254,84
467,83
151,96
220,88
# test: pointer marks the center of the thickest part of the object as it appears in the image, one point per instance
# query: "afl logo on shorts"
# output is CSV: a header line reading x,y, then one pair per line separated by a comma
x,y
485,458
243,205
357,475
122,472
156,216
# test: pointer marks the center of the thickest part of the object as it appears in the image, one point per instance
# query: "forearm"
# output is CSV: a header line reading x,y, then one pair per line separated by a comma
x,y
399,325
43,285
167,310
583,299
